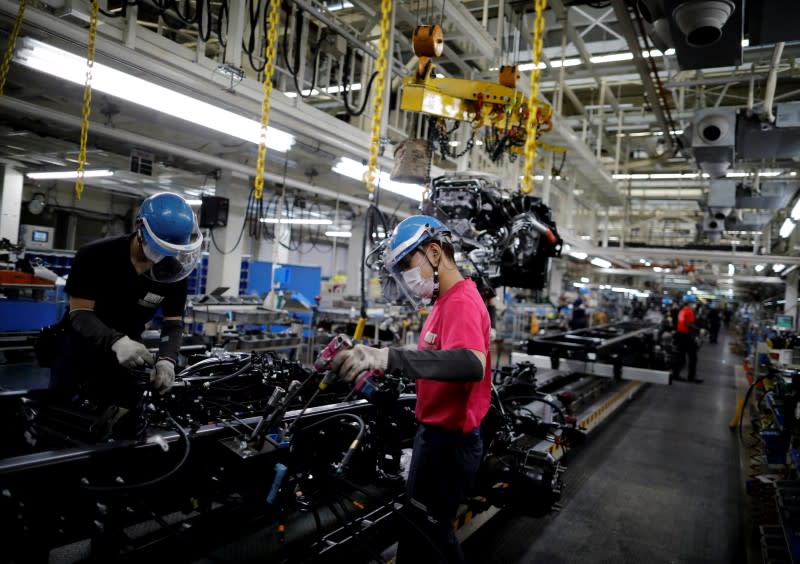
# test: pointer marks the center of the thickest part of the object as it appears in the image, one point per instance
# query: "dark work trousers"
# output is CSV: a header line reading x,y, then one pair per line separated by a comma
x,y
685,345
713,332
442,473
81,371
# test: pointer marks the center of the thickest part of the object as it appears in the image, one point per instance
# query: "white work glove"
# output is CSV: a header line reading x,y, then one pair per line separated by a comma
x,y
350,363
131,354
163,375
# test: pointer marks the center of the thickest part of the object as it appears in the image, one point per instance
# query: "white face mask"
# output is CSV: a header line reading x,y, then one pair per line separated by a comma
x,y
151,255
417,284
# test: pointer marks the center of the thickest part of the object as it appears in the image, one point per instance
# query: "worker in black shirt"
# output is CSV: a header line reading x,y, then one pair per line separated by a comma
x,y
115,287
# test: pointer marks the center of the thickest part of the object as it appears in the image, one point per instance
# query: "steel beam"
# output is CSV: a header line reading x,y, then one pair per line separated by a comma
x,y
561,13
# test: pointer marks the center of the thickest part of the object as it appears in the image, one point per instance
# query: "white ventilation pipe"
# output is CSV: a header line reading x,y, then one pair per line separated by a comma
x,y
772,82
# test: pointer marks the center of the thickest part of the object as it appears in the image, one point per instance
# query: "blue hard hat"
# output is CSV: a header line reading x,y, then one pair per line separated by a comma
x,y
690,299
410,234
666,300
168,223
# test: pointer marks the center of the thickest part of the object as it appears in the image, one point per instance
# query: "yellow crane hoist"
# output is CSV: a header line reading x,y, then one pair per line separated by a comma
x,y
495,104
87,99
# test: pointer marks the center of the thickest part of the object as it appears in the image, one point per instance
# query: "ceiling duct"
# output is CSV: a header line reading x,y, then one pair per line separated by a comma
x,y
713,139
701,23
721,198
713,228
755,140
748,221
704,33
772,195
656,23
773,21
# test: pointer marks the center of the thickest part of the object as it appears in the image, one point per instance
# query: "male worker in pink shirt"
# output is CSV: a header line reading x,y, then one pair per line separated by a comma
x,y
452,368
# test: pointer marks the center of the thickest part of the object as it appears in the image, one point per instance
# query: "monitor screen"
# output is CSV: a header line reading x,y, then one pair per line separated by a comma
x,y
784,322
40,236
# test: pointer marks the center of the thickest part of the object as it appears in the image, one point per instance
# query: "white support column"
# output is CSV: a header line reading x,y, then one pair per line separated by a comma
x,y
129,35
790,296
555,285
548,178
600,119
593,222
606,222
233,49
10,204
224,268
354,257
570,207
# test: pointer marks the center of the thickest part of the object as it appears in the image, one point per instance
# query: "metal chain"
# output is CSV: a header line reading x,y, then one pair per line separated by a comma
x,y
12,40
371,176
269,69
87,99
530,122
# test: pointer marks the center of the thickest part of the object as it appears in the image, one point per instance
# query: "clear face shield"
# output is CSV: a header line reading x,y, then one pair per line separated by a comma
x,y
173,262
402,279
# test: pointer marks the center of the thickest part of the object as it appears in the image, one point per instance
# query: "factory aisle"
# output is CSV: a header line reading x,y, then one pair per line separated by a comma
x,y
659,483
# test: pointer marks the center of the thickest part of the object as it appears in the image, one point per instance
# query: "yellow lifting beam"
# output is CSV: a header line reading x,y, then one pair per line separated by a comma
x,y
87,99
269,70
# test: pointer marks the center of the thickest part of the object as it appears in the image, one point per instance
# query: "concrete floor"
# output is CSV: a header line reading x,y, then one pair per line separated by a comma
x,y
659,483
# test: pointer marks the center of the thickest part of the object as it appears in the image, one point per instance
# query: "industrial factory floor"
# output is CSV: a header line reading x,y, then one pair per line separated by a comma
x,y
660,483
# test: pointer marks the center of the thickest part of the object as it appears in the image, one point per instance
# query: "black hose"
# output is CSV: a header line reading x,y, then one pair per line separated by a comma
x,y
364,100
156,480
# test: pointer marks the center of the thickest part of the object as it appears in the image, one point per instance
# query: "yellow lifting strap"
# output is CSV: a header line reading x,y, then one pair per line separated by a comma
x,y
87,99
530,125
12,41
371,176
269,70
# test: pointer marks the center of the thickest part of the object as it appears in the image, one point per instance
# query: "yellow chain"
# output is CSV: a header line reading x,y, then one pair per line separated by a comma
x,y
12,40
87,99
269,70
371,177
530,124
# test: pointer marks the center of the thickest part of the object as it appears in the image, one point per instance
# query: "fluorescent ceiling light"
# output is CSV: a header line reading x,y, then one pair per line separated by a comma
x,y
69,174
656,176
578,255
194,202
336,6
795,213
778,267
57,62
612,57
529,66
355,170
296,220
745,43
601,262
342,234
731,270
764,173
759,267
619,290
657,269
787,228
556,63
584,280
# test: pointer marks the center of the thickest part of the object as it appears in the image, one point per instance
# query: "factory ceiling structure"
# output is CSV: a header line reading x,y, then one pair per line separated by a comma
x,y
676,125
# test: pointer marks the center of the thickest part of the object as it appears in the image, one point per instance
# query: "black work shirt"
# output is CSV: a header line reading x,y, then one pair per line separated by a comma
x,y
124,300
